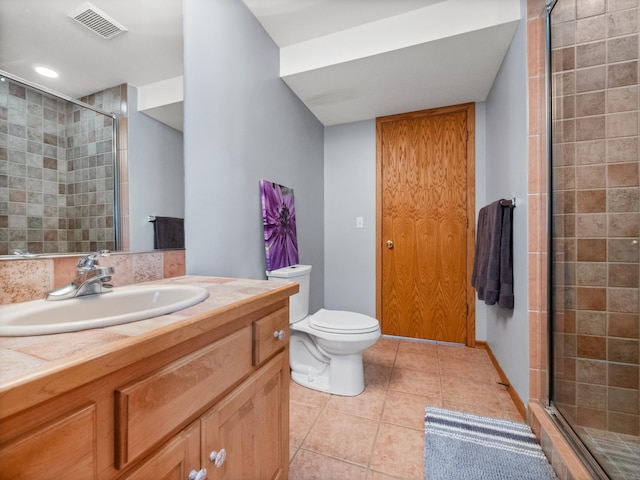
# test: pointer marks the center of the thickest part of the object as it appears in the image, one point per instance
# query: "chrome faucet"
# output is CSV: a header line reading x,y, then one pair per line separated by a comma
x,y
90,279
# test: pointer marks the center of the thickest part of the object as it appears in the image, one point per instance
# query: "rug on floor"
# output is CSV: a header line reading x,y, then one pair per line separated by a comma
x,y
461,446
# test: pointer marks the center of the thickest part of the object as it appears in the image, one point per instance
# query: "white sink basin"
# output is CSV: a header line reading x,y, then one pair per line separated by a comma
x,y
122,305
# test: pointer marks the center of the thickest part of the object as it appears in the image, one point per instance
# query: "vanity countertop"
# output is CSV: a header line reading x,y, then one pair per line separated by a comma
x,y
36,368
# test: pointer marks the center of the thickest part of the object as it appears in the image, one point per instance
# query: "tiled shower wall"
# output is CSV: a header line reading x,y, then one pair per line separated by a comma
x,y
56,171
596,219
561,453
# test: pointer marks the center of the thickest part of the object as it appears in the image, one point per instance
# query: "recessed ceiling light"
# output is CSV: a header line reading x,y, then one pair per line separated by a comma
x,y
47,72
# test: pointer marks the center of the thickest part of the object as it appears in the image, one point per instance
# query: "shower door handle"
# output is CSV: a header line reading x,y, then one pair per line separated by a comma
x,y
389,244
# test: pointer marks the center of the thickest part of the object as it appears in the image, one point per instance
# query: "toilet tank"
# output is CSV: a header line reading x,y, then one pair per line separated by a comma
x,y
298,303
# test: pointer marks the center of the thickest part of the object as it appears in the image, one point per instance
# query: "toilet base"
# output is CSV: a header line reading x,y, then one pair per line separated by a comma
x,y
345,376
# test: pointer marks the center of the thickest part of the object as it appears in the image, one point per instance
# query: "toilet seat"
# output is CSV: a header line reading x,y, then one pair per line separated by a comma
x,y
341,322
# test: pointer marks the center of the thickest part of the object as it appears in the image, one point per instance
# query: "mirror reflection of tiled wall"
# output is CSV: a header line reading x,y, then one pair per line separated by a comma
x,y
56,172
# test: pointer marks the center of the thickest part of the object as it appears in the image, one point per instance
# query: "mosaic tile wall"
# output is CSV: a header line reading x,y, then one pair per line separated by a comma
x,y
56,172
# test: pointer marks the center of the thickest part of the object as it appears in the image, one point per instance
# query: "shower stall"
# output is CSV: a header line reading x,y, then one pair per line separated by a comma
x,y
594,260
58,170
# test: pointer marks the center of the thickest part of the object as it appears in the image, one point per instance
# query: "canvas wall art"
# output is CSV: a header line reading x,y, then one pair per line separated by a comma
x,y
279,221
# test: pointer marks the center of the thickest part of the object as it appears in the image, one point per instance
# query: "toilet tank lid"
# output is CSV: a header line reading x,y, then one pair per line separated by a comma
x,y
289,272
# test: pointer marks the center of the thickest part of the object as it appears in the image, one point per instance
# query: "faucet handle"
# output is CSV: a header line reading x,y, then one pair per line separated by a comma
x,y
89,261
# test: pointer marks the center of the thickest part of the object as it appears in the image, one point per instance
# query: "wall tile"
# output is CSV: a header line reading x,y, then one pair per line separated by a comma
x,y
589,152
591,225
623,325
622,175
592,298
622,124
622,375
623,200
592,250
591,201
591,54
591,323
623,275
591,396
623,250
621,74
624,300
589,8
622,48
622,150
590,79
587,104
622,350
622,22
624,224
590,176
589,29
591,371
591,274
622,423
24,280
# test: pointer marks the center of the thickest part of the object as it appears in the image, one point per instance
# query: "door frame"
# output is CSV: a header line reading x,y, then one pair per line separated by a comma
x,y
469,109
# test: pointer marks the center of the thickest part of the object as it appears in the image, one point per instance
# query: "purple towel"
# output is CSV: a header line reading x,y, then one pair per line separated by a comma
x,y
493,264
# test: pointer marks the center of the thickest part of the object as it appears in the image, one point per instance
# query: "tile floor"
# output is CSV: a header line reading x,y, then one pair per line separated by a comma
x,y
379,435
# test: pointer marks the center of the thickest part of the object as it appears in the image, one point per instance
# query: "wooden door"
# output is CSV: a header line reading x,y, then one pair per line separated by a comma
x,y
425,224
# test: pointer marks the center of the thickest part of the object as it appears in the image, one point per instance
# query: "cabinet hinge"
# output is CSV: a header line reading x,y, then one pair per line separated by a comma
x,y
467,139
467,305
467,221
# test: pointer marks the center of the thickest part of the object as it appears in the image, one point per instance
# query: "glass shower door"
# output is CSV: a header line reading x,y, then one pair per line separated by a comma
x,y
595,207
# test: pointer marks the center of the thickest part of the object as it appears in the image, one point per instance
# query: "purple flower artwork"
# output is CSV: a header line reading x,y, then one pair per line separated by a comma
x,y
279,221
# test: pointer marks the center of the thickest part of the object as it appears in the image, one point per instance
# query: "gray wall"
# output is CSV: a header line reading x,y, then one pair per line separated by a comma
x,y
156,174
350,192
506,177
243,124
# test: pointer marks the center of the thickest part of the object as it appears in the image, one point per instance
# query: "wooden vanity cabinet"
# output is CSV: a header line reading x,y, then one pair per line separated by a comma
x,y
163,416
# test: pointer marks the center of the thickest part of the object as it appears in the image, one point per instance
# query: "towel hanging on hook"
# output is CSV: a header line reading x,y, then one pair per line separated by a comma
x,y
492,275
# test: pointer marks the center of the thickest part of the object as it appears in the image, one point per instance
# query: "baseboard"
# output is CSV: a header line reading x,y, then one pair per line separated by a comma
x,y
503,378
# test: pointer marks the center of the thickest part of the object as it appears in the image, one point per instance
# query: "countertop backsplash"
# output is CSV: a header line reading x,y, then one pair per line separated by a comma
x,y
23,279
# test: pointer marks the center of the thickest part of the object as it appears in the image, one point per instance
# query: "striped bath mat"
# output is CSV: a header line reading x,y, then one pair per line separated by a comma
x,y
461,446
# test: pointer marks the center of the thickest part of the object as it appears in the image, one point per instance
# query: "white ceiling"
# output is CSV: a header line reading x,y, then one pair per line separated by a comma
x,y
347,60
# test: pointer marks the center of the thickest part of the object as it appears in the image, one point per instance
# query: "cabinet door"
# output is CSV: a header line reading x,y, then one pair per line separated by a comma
x,y
251,425
62,448
174,460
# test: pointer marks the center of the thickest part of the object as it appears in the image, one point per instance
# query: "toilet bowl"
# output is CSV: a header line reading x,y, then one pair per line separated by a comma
x,y
326,347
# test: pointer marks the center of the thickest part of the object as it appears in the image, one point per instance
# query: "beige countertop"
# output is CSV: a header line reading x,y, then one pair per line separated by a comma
x,y
38,367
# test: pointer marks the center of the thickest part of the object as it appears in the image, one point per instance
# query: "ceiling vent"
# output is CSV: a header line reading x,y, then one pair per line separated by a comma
x,y
97,21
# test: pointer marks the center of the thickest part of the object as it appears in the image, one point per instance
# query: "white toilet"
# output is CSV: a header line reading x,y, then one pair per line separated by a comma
x,y
326,347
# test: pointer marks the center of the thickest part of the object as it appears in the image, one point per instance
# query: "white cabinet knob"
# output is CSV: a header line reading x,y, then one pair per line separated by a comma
x,y
218,457
198,475
279,335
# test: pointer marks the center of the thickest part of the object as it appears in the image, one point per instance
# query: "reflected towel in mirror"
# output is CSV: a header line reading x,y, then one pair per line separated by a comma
x,y
168,232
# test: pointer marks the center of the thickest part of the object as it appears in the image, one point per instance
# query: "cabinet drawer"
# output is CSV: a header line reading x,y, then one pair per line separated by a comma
x,y
62,448
265,342
150,408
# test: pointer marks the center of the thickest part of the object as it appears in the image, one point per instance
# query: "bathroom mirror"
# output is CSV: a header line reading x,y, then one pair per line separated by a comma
x,y
110,71
58,172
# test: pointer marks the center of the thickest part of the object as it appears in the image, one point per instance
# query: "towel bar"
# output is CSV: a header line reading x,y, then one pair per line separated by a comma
x,y
508,203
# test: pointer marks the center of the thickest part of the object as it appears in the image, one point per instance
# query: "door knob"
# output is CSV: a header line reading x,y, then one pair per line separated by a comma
x,y
389,244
